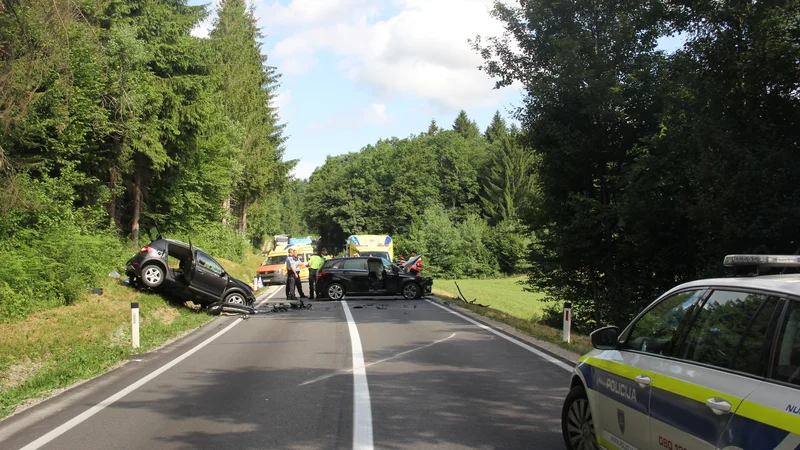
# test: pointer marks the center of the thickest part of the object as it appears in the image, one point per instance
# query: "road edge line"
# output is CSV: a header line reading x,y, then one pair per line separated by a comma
x,y
362,408
80,418
519,343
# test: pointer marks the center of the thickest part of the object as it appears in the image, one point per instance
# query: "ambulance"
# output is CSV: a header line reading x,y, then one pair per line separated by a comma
x,y
273,269
380,246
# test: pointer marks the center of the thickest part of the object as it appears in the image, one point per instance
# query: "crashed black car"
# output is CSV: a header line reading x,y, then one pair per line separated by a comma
x,y
198,277
368,275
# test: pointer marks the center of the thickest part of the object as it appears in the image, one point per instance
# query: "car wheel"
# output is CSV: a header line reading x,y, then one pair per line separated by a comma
x,y
152,275
235,298
335,291
411,290
577,424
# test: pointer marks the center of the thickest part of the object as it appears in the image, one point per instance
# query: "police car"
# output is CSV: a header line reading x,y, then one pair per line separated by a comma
x,y
711,364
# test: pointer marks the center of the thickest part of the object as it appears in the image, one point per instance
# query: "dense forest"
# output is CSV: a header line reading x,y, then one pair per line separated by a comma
x,y
632,169
111,116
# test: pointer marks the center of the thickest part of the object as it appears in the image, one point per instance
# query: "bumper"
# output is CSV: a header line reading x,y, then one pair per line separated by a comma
x,y
272,278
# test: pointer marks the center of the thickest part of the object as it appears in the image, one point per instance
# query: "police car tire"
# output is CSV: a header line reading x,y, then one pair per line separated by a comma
x,y
577,393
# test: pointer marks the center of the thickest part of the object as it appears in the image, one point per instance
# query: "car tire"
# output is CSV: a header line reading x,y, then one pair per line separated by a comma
x,y
411,290
335,291
236,298
577,424
152,275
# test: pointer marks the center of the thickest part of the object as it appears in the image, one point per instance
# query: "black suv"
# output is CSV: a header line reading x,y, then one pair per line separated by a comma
x,y
369,276
198,278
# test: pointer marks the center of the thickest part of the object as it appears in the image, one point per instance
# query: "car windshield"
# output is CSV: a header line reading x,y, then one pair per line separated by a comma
x,y
274,260
384,255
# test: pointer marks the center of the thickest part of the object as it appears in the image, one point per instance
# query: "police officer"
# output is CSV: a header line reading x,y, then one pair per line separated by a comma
x,y
298,265
314,264
291,276
325,254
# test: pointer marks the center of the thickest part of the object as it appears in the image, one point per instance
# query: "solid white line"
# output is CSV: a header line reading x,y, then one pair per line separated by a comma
x,y
272,294
110,400
339,372
527,347
362,410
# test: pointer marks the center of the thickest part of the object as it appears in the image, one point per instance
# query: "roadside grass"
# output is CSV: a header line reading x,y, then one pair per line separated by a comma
x,y
54,348
510,304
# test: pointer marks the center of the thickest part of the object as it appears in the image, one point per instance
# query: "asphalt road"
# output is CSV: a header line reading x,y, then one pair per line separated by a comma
x,y
429,379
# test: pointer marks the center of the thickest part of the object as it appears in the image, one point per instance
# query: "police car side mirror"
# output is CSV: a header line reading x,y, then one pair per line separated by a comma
x,y
605,338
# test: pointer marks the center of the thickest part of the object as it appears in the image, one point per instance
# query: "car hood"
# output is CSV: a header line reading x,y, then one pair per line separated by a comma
x,y
270,268
240,284
411,261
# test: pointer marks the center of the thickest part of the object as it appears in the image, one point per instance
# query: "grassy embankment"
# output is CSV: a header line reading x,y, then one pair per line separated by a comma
x,y
510,304
57,347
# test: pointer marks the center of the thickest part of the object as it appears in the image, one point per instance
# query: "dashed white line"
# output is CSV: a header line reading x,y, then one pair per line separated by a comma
x,y
527,347
362,409
77,420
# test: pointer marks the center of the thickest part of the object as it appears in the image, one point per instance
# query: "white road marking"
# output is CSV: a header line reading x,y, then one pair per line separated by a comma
x,y
340,372
527,347
362,410
110,400
272,294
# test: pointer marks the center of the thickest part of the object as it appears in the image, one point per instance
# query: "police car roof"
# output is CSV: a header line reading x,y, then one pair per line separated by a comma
x,y
780,284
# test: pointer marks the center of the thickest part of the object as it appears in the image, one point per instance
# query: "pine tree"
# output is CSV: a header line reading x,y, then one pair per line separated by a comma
x,y
496,129
467,128
246,86
433,128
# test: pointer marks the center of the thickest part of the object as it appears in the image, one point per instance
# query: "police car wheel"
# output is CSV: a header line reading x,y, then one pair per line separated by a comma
x,y
577,424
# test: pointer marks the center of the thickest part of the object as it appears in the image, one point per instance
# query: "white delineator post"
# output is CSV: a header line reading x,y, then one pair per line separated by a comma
x,y
567,320
135,324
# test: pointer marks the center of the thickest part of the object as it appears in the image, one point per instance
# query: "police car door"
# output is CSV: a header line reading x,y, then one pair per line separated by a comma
x,y
623,380
769,418
716,362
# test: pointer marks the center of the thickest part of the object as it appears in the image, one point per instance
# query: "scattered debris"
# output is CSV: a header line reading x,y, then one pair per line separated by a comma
x,y
218,308
358,306
382,307
464,299
115,275
97,291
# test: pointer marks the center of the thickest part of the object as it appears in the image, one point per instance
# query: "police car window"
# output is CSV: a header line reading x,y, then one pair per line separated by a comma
x,y
656,330
355,264
727,327
786,367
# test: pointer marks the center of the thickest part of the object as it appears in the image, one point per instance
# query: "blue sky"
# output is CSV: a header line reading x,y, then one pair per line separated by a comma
x,y
355,71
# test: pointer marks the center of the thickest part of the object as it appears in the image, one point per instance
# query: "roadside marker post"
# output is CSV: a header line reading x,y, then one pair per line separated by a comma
x,y
567,320
135,324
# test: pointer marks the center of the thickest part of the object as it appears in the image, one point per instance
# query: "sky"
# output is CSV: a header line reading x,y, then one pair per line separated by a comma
x,y
356,71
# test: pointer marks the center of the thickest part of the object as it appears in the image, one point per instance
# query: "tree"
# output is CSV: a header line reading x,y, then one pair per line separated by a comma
x,y
589,69
496,130
467,128
509,183
433,128
246,88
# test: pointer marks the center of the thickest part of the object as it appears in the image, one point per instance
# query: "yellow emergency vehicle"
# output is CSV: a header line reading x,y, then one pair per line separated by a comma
x,y
273,269
380,246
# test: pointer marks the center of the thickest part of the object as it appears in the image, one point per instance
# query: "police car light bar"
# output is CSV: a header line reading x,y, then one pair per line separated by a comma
x,y
762,260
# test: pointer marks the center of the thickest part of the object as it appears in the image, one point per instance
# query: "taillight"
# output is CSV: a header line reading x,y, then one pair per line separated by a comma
x,y
321,274
146,249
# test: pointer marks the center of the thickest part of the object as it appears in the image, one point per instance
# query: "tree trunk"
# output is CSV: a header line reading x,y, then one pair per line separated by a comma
x,y
137,204
243,216
226,209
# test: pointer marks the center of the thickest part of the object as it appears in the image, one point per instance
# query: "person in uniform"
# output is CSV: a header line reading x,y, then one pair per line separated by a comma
x,y
314,264
298,265
291,276
325,254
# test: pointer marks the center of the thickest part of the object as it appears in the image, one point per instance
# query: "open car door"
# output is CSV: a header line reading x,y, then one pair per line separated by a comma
x,y
191,264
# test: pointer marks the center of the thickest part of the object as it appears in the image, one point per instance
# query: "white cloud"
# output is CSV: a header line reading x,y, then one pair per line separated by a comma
x,y
282,99
202,29
421,51
374,114
304,169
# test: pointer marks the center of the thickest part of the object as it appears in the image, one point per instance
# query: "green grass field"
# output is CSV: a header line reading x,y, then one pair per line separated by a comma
x,y
508,303
502,294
